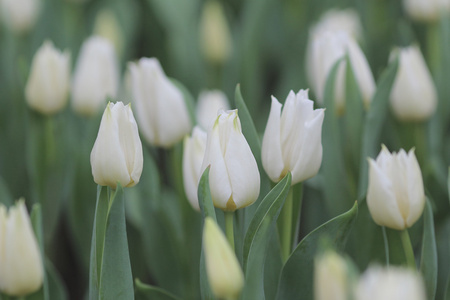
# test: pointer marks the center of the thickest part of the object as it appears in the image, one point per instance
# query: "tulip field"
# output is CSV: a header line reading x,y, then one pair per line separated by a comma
x,y
225,149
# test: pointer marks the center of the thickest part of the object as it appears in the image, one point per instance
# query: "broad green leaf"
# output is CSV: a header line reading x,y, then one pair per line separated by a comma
x,y
257,238
148,292
428,261
296,276
56,286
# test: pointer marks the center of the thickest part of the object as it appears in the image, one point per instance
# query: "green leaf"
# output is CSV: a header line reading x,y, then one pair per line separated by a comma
x,y
148,292
5,196
257,237
57,289
36,221
428,261
296,276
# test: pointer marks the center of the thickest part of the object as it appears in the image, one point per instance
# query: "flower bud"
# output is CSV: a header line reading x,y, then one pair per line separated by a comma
x,y
426,10
21,271
108,27
193,153
331,277
160,106
209,103
20,15
216,41
292,140
225,275
395,195
233,177
324,50
391,283
117,152
413,96
48,84
340,20
96,76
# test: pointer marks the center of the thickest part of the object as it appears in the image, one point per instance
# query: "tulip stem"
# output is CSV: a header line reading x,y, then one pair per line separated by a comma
x,y
286,233
407,247
386,245
229,230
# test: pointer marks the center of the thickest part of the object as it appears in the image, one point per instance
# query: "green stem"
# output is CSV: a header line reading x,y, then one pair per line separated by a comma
x,y
50,148
286,227
229,230
386,245
407,247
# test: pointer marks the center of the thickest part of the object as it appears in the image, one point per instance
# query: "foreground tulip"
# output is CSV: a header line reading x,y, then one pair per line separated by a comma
x,y
48,85
96,76
225,275
20,15
21,270
426,10
413,96
395,195
161,110
117,152
209,103
331,277
292,140
193,153
391,283
234,177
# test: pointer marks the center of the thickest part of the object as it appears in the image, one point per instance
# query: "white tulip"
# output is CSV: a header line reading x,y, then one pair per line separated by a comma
x,y
193,153
233,177
391,283
426,10
48,84
292,140
160,106
96,76
108,27
331,277
346,20
117,152
225,275
414,95
209,103
20,15
21,271
395,195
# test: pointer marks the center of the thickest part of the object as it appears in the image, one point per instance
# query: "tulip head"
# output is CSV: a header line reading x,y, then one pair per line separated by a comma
x,y
233,177
346,20
426,10
193,153
414,95
331,277
108,27
20,15
209,103
96,76
225,275
21,271
292,140
117,152
395,195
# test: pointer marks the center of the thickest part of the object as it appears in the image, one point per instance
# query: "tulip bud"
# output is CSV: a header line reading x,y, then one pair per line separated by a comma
x,y
346,20
161,110
292,140
194,151
324,50
209,103
391,283
20,15
21,271
331,279
395,195
233,177
426,10
225,275
413,96
108,27
96,76
48,85
117,152
216,39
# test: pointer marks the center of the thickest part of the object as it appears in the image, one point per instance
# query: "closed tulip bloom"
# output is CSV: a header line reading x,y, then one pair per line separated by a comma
x,y
193,153
108,27
225,275
331,277
426,10
20,15
395,195
233,177
292,140
21,271
346,20
117,152
414,95
96,76
160,106
209,103
391,283
48,84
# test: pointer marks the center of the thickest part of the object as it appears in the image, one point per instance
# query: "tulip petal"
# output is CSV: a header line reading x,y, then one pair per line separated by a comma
x,y
416,193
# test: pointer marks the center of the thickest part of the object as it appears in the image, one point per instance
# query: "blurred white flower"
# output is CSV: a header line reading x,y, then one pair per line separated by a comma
x,y
426,10
107,26
48,84
233,177
209,103
292,140
331,280
117,152
160,106
395,195
96,76
346,20
414,95
20,15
